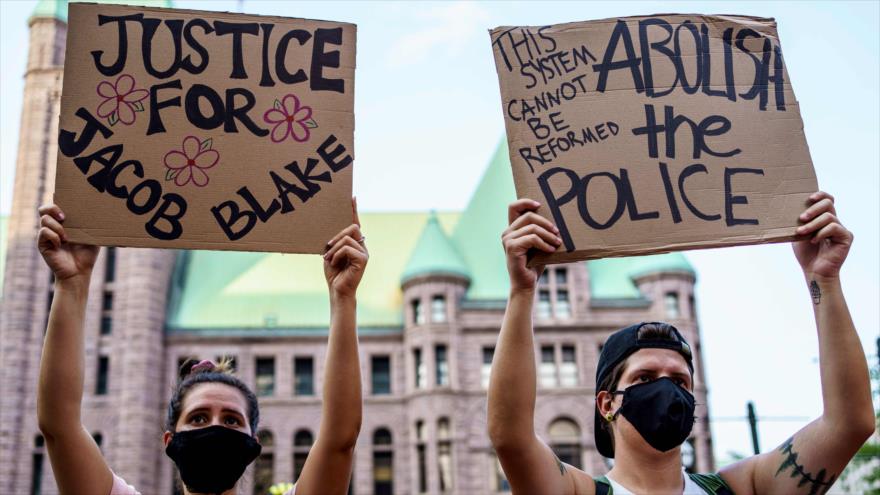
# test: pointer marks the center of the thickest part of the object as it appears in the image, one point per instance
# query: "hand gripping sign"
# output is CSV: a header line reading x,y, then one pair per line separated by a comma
x,y
651,134
205,130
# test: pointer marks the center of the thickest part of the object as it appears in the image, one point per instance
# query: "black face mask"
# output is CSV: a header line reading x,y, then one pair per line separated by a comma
x,y
212,459
661,411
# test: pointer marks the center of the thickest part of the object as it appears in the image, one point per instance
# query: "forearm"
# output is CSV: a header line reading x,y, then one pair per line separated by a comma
x,y
342,402
512,387
62,365
846,392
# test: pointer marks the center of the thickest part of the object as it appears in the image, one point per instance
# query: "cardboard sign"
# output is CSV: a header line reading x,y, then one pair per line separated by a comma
x,y
650,134
205,130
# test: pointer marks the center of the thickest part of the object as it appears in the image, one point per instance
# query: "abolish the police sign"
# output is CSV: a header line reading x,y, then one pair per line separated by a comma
x,y
205,130
649,134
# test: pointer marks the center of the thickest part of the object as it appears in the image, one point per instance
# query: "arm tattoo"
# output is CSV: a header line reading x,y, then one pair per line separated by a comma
x,y
818,484
815,293
561,466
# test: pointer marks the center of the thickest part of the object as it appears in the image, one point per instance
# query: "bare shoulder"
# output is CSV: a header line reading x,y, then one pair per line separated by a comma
x,y
583,482
740,476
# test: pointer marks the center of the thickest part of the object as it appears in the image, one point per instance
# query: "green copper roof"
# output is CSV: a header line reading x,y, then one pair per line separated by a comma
x,y
434,254
4,221
478,233
231,293
612,278
226,289
57,9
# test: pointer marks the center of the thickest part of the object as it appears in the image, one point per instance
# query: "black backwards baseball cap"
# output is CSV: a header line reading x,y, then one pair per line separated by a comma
x,y
619,346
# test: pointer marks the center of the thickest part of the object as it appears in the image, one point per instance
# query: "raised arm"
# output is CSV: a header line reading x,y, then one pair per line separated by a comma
x,y
530,465
76,460
328,467
812,459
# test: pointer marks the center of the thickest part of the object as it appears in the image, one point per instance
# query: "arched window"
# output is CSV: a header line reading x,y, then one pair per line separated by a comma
x,y
444,454
37,465
422,455
383,462
565,440
302,442
264,471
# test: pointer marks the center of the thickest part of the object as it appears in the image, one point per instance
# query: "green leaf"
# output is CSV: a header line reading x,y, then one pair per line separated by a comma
x,y
138,106
206,144
113,119
171,174
311,124
278,105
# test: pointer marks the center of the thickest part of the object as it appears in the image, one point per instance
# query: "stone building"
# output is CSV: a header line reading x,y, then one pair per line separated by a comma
x,y
429,312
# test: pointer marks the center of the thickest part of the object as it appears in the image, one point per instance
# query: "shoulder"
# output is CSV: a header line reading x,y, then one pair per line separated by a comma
x,y
120,487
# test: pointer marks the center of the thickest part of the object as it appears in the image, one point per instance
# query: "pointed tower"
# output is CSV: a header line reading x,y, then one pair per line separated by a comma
x,y
26,280
434,280
478,233
125,315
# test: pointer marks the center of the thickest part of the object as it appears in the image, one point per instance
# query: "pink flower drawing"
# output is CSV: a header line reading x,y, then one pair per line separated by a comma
x,y
121,100
291,118
189,164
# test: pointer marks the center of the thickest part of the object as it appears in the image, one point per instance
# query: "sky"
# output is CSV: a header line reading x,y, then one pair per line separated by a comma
x,y
429,111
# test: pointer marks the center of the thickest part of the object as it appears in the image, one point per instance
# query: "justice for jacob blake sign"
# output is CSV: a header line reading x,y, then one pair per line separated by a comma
x,y
204,130
650,134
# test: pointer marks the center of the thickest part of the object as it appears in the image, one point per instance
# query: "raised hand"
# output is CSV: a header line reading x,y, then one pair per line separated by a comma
x,y
527,231
822,254
346,258
65,259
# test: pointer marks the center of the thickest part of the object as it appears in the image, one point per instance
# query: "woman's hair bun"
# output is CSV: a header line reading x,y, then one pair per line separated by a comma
x,y
193,366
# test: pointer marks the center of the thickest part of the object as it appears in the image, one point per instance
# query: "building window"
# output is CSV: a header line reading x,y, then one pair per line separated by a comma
x,y
543,309
381,374
563,306
265,376
565,440
444,454
303,376
568,370
544,279
302,443
547,371
418,313
438,309
420,368
106,324
486,368
671,304
103,371
421,454
107,301
693,306
561,276
442,365
110,265
264,471
37,461
383,463
98,438
499,479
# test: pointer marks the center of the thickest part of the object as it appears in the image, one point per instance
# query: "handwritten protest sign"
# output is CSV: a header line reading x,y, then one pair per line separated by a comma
x,y
205,130
650,134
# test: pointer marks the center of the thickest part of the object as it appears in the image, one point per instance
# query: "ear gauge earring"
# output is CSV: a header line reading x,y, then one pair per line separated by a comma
x,y
609,417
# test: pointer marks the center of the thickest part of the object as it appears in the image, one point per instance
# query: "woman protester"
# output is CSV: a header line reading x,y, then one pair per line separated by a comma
x,y
644,387
212,416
